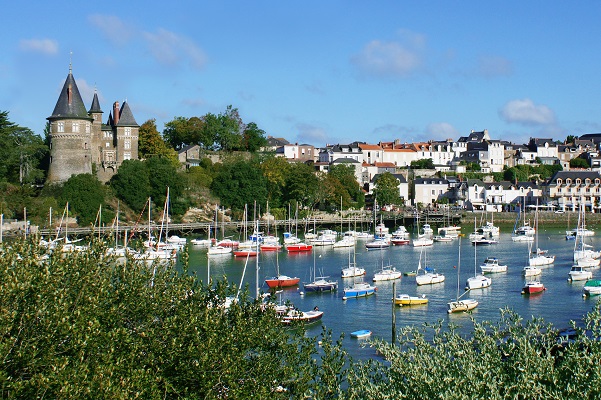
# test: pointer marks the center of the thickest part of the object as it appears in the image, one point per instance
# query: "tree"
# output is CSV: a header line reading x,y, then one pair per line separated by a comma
x,y
386,189
570,139
424,163
84,193
162,175
254,138
275,170
240,182
579,163
150,142
131,184
22,153
301,185
331,192
346,175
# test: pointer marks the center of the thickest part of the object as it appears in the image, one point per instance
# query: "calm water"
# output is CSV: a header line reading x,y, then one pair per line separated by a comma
x,y
561,302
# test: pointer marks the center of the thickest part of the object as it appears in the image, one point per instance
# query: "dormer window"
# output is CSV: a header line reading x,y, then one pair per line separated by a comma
x,y
568,181
558,181
587,181
596,181
578,181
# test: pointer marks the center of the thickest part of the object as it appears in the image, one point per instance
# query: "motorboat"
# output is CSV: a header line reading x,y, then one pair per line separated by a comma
x,y
491,265
201,242
321,284
483,241
378,243
439,238
407,300
579,273
592,288
533,287
352,271
363,333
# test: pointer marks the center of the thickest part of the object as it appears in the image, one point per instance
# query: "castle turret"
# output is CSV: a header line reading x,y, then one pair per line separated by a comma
x,y
70,134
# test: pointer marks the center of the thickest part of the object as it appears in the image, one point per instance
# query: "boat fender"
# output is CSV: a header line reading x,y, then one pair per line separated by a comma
x,y
315,308
375,289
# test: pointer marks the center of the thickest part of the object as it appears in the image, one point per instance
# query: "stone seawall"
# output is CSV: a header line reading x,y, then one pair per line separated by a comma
x,y
544,218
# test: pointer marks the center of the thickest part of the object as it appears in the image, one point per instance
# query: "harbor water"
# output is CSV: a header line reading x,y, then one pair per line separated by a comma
x,y
561,303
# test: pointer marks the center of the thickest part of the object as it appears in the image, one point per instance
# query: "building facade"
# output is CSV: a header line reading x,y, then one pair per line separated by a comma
x,y
80,143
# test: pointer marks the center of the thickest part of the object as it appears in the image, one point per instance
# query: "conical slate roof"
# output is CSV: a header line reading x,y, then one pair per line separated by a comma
x,y
126,118
95,104
70,104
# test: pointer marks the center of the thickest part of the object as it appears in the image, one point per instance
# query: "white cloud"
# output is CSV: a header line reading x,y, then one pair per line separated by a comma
x,y
171,49
43,46
117,31
441,131
525,112
391,59
308,133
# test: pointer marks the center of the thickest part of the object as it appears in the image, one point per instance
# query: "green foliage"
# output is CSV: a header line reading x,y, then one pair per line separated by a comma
x,y
226,132
254,138
240,182
570,139
275,170
199,177
424,163
150,142
84,193
386,190
162,175
346,175
511,359
301,185
473,166
22,153
83,326
131,184
579,163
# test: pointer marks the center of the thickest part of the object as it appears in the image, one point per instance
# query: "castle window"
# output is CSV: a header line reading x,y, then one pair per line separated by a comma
x,y
127,144
75,127
107,145
88,128
127,156
60,127
127,131
85,145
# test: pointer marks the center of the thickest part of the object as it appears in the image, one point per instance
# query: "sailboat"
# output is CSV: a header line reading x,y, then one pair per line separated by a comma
x,y
539,257
583,254
352,270
320,283
460,305
279,280
359,289
524,233
217,249
425,238
387,273
477,281
429,277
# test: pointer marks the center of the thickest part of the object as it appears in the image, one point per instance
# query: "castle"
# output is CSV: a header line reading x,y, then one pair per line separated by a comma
x,y
80,143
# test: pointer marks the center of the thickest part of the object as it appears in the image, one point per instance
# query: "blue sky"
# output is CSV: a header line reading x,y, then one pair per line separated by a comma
x,y
316,72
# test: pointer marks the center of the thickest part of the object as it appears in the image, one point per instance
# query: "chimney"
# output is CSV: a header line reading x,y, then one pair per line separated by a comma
x,y
116,112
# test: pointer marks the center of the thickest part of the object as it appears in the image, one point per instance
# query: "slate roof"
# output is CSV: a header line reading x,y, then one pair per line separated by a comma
x,y
400,177
126,118
95,108
69,104
573,175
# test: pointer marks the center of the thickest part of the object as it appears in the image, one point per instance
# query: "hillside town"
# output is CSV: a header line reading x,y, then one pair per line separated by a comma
x,y
452,160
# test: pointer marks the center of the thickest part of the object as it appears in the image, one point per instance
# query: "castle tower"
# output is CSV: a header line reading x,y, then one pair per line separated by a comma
x,y
70,135
79,141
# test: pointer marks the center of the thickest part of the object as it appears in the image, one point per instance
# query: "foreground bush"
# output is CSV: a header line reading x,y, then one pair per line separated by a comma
x,y
83,326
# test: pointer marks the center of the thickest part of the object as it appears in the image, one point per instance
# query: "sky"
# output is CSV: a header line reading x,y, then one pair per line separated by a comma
x,y
315,72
